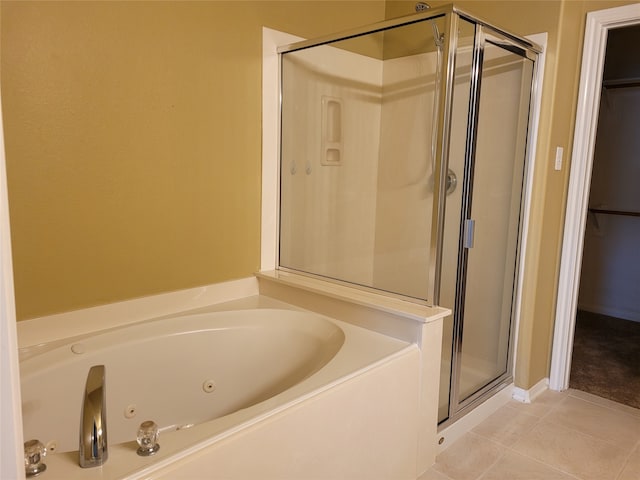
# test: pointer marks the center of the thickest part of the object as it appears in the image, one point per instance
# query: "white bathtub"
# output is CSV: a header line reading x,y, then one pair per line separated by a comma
x,y
213,378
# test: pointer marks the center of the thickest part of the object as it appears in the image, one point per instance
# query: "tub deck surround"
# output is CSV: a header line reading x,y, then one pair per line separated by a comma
x,y
383,313
62,326
363,429
391,316
396,355
356,374
334,434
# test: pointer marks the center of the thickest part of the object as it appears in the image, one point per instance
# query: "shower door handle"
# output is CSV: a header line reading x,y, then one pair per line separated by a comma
x,y
469,228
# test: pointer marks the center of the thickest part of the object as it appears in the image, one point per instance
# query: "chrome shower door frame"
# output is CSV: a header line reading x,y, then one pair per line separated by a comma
x,y
485,33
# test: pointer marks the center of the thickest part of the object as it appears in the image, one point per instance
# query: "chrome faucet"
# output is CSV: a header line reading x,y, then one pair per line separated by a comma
x,y
93,420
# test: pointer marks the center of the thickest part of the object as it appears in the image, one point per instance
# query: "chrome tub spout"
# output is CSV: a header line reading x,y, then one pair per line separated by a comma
x,y
93,420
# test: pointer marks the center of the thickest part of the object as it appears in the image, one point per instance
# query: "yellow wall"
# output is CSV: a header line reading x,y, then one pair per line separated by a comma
x,y
133,142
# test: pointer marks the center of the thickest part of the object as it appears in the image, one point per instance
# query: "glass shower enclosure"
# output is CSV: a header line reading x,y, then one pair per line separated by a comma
x,y
402,157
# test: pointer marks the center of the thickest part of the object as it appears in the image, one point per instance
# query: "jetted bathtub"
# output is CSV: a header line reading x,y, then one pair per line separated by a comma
x,y
203,378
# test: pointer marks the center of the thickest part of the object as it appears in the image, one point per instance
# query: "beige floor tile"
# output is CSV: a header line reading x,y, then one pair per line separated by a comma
x,y
513,466
573,452
613,426
605,402
506,425
431,474
468,458
631,470
541,405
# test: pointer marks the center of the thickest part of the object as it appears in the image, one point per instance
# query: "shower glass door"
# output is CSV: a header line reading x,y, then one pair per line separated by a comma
x,y
494,207
487,238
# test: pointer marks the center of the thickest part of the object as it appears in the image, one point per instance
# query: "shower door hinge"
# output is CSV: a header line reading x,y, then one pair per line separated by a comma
x,y
469,227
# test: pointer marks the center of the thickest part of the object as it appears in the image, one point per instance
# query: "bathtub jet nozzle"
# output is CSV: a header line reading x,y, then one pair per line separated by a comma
x,y
93,420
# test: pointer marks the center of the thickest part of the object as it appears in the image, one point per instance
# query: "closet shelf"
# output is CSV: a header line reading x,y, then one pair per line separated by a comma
x,y
615,212
622,83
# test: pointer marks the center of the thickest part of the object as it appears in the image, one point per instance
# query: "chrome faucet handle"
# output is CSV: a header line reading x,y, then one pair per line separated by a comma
x,y
147,439
34,452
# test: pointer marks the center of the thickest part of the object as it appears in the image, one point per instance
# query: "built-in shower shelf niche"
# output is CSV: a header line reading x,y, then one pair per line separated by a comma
x,y
331,131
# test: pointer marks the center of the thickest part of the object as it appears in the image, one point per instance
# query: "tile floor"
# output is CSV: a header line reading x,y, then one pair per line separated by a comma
x,y
560,436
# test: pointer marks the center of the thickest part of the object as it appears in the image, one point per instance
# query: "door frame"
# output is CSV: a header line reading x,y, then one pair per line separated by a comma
x,y
11,441
595,41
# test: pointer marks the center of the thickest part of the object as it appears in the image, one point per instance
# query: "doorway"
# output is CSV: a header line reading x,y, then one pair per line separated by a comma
x,y
606,351
599,25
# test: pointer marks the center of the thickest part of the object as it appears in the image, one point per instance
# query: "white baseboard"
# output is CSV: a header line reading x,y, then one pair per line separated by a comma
x,y
50,328
527,396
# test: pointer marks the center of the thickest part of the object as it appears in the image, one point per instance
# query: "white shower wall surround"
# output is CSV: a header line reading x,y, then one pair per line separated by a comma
x,y
348,231
405,175
336,203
